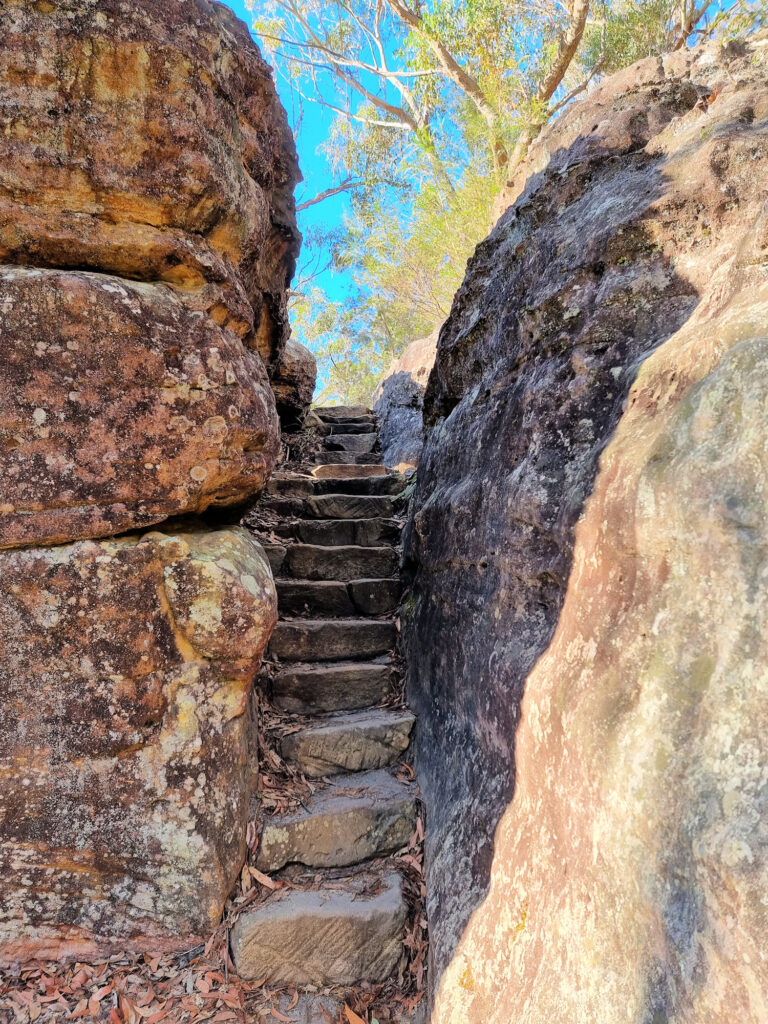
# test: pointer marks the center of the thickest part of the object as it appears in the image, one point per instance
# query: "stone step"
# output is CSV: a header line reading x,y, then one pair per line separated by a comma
x,y
331,639
348,472
359,597
350,506
340,934
331,413
344,458
291,486
360,532
349,743
394,483
295,486
333,686
355,818
343,563
352,427
362,443
331,506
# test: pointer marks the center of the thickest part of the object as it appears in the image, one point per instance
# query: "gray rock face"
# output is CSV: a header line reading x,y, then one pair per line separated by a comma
x,y
355,818
586,524
349,743
325,937
399,400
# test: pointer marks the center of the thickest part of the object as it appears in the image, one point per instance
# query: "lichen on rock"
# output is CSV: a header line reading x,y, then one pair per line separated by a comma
x,y
127,666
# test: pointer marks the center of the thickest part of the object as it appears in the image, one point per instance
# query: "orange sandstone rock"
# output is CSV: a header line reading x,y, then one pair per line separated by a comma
x,y
119,407
126,669
147,140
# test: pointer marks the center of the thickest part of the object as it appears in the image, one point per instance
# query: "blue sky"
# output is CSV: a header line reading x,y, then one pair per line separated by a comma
x,y
314,167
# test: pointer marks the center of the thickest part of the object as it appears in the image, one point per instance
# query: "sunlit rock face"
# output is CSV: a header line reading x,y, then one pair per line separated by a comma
x,y
146,139
121,406
588,627
147,239
399,401
126,670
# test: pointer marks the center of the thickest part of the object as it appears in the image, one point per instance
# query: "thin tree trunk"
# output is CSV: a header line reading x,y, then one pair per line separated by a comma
x,y
566,51
459,76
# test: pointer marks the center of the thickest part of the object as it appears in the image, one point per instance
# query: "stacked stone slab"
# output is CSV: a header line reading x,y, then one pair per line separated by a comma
x,y
147,235
338,587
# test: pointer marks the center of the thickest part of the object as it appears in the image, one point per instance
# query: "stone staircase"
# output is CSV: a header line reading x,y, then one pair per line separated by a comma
x,y
340,920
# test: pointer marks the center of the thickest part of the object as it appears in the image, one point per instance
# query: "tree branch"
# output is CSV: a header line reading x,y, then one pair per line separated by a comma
x,y
345,186
456,73
566,51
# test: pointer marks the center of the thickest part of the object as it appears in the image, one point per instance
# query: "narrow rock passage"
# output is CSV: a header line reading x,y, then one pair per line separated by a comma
x,y
336,566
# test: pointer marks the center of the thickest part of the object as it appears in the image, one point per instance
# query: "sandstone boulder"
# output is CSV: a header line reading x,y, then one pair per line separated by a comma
x,y
120,406
294,383
590,521
147,140
399,400
126,666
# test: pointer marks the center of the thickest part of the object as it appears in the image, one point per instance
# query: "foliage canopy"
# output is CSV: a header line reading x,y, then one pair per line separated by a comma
x,y
435,102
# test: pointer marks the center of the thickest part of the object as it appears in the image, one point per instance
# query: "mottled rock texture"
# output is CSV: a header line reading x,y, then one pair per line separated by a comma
x,y
590,521
294,384
120,406
399,401
147,239
126,670
147,140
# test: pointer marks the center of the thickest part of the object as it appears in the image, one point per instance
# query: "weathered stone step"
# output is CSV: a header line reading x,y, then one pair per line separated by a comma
x,y
344,458
360,532
348,472
395,483
331,506
350,506
331,639
359,597
295,486
332,686
330,936
363,443
355,818
344,563
352,427
349,743
331,413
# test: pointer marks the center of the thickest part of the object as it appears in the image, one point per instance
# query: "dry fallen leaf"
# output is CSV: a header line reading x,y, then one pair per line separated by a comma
x,y
352,1017
263,879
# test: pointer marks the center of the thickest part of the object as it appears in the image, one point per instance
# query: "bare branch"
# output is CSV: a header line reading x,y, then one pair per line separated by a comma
x,y
566,51
345,186
455,72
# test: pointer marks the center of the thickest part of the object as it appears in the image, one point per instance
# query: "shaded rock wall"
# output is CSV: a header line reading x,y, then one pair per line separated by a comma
x,y
586,628
147,238
399,401
294,384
